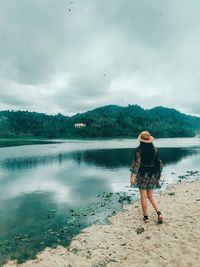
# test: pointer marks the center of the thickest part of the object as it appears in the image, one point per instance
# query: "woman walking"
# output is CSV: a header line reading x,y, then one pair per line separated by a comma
x,y
146,172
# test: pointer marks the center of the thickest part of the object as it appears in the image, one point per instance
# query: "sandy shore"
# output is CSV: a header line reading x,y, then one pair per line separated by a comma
x,y
127,241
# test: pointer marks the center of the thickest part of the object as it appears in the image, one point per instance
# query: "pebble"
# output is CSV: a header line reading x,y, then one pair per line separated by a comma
x,y
140,230
172,194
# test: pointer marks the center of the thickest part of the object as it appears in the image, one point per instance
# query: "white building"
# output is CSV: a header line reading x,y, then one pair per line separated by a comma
x,y
79,125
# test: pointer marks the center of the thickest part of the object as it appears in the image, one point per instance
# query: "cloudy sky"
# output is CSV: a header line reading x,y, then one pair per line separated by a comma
x,y
72,56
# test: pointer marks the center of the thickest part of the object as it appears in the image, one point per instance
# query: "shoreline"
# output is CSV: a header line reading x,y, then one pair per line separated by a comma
x,y
128,241
175,142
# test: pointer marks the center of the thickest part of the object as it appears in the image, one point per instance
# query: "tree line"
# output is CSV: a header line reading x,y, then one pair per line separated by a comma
x,y
110,121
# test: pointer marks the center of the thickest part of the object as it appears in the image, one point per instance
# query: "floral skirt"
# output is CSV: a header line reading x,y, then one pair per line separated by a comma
x,y
147,178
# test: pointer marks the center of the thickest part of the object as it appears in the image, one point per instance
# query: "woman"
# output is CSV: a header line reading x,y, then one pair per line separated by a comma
x,y
146,172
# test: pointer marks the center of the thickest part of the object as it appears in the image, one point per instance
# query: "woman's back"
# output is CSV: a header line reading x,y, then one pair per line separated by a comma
x,y
147,154
146,172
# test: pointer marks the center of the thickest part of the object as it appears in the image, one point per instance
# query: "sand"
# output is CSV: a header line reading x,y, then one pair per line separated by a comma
x,y
174,243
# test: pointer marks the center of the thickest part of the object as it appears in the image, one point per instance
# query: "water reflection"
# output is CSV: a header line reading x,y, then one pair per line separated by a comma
x,y
45,199
117,158
113,158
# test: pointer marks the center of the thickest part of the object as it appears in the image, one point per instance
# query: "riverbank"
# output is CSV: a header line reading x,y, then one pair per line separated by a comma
x,y
127,241
101,142
25,141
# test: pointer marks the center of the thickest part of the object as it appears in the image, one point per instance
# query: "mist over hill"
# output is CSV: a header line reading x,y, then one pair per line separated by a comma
x,y
108,121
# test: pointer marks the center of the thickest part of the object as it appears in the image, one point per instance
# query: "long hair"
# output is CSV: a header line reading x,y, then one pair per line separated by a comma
x,y
148,151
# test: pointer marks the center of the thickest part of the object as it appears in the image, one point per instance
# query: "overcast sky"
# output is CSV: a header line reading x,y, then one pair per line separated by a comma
x,y
72,56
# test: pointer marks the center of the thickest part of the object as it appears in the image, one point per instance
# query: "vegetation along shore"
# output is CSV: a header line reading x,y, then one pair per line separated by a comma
x,y
104,122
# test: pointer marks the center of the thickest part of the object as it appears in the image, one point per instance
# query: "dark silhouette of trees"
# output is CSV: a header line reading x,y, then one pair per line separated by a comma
x,y
109,121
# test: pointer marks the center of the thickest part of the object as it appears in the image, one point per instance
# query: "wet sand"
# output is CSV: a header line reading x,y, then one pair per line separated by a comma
x,y
128,241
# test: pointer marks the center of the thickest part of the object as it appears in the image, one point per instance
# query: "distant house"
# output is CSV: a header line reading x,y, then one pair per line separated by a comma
x,y
79,125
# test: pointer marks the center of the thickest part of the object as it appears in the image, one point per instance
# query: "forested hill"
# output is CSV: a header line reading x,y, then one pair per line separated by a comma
x,y
108,121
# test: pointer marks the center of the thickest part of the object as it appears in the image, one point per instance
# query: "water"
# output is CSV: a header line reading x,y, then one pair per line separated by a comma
x,y
48,193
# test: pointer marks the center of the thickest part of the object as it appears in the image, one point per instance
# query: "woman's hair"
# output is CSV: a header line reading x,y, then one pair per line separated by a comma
x,y
147,151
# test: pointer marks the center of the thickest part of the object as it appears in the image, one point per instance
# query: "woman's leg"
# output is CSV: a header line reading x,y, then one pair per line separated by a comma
x,y
155,205
143,199
152,199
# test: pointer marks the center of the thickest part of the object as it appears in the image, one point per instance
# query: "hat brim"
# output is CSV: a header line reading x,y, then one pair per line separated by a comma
x,y
150,140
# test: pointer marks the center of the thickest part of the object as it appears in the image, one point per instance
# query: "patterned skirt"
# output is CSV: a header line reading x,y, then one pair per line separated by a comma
x,y
146,177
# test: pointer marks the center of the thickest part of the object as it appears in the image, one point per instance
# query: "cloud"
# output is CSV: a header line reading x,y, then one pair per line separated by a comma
x,y
122,52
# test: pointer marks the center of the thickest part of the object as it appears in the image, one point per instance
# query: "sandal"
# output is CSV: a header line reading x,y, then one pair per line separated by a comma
x,y
160,217
146,219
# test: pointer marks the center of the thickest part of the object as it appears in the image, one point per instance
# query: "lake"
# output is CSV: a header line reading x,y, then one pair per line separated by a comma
x,y
49,192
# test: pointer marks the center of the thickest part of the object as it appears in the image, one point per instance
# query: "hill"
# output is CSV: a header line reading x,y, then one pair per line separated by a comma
x,y
108,121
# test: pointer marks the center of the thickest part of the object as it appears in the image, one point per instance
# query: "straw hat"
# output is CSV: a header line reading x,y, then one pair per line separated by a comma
x,y
145,137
